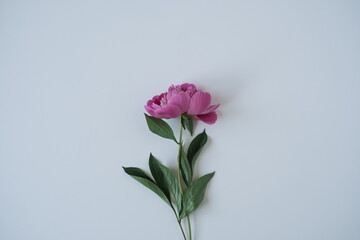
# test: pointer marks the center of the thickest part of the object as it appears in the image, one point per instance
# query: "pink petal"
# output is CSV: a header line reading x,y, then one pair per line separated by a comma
x,y
169,111
209,118
152,112
156,99
211,109
186,86
182,100
199,103
155,106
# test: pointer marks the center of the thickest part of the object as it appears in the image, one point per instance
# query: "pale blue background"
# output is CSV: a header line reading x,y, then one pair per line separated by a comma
x,y
74,76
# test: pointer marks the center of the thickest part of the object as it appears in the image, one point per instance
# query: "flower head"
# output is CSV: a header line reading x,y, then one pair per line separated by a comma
x,y
183,99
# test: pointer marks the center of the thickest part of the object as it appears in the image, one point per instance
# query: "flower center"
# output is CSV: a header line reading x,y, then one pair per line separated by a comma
x,y
163,101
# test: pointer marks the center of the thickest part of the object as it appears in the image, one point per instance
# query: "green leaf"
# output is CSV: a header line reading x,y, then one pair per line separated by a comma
x,y
183,122
185,168
195,194
141,177
195,148
133,171
172,185
160,127
156,172
187,124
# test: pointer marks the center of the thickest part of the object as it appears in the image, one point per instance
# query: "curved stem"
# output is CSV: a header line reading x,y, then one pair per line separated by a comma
x,y
179,177
182,230
189,226
179,222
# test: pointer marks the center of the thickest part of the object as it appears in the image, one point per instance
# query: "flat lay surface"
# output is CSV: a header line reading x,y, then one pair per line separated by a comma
x,y
74,79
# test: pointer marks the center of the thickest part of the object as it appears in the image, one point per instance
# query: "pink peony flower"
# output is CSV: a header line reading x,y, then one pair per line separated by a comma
x,y
183,99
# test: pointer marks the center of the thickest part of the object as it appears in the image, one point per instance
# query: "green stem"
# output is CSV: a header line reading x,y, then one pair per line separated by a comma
x,y
179,222
179,158
189,225
179,177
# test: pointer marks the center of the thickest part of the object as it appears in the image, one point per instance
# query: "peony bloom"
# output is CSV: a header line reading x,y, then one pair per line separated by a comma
x,y
183,99
172,103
